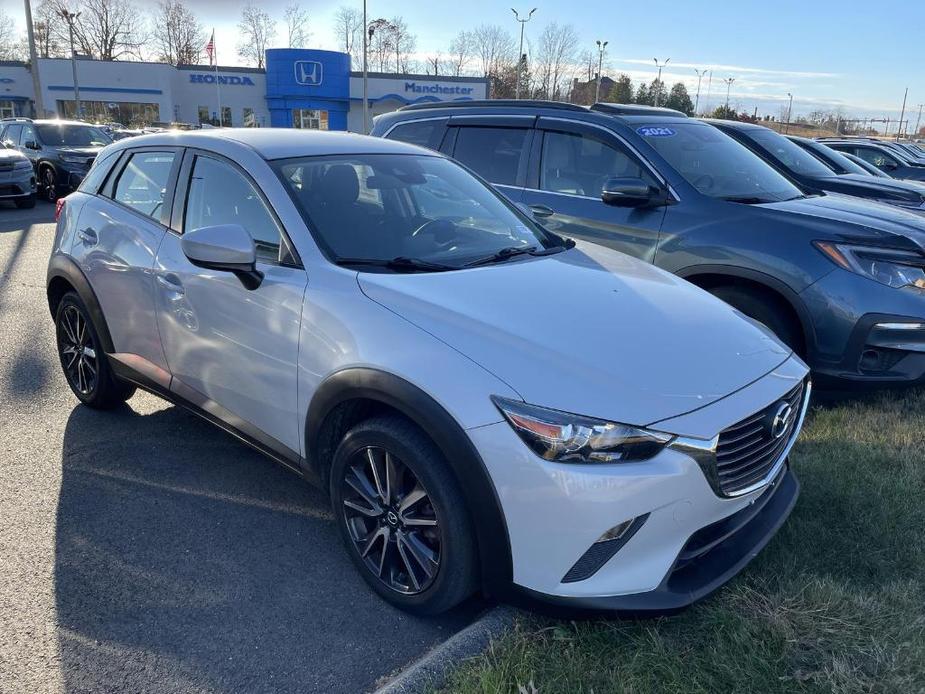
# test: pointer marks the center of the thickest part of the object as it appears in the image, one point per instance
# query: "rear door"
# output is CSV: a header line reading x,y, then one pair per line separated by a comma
x,y
495,147
569,165
118,234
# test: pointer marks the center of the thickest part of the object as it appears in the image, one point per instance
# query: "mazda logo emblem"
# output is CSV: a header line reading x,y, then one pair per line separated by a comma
x,y
781,421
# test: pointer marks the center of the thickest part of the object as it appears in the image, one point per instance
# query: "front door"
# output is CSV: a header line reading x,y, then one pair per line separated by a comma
x,y
570,164
231,350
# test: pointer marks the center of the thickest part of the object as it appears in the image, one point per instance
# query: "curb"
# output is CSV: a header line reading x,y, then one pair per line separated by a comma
x,y
430,670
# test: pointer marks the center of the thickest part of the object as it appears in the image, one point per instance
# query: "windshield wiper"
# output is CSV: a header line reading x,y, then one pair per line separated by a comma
x,y
506,253
746,199
401,264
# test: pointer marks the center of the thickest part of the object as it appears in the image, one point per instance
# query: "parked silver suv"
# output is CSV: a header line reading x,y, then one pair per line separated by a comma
x,y
17,178
489,405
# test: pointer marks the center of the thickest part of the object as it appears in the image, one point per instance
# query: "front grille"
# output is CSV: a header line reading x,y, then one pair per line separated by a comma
x,y
4,166
746,452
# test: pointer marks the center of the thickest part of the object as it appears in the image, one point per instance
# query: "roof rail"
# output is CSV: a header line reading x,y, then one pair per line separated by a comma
x,y
483,103
636,110
21,119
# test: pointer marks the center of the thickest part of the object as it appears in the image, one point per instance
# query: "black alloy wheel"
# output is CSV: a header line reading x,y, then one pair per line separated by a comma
x,y
391,520
49,184
78,351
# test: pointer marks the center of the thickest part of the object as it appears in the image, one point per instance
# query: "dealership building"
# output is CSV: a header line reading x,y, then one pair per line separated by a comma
x,y
300,88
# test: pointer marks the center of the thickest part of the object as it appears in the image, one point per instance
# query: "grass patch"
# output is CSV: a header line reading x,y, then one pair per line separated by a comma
x,y
836,602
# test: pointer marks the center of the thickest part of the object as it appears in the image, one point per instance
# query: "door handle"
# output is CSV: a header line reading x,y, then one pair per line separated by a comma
x,y
542,210
88,236
171,282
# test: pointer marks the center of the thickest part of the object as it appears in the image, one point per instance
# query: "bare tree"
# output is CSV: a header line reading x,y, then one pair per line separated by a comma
x,y
403,42
257,29
105,29
9,44
494,47
348,27
297,26
460,52
555,53
178,37
49,31
380,44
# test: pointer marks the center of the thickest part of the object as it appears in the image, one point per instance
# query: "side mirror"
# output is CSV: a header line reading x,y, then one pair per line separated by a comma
x,y
31,144
224,247
631,192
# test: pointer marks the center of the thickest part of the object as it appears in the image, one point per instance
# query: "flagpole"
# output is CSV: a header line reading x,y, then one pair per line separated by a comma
x,y
218,87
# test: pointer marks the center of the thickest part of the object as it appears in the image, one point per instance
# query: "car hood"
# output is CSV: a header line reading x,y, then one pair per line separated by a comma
x,y
10,156
882,188
588,331
845,218
85,151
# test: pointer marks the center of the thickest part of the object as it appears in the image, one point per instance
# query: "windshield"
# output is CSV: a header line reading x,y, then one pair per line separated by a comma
x,y
836,160
72,136
788,154
379,207
716,165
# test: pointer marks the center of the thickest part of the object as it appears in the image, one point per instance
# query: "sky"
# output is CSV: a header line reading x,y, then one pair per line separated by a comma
x,y
829,54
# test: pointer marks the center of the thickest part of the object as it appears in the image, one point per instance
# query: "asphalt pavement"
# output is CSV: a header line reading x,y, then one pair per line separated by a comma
x,y
144,550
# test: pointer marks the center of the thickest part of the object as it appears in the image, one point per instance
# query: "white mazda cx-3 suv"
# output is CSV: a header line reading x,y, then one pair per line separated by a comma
x,y
490,406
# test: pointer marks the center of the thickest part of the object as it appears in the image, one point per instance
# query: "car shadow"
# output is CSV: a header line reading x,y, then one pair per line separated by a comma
x,y
184,561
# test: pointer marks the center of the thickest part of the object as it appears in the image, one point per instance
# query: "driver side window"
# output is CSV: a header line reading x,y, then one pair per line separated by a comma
x,y
876,157
580,165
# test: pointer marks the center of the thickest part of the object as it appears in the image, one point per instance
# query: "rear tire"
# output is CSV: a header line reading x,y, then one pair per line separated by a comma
x,y
85,365
26,203
402,517
766,309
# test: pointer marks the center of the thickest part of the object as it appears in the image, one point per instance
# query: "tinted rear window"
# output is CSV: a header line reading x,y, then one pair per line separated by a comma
x,y
493,153
422,133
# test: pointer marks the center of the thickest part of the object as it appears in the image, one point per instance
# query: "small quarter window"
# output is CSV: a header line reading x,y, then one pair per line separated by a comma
x,y
143,182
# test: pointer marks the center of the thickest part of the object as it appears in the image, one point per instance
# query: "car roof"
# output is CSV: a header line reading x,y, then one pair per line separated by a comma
x,y
277,143
629,113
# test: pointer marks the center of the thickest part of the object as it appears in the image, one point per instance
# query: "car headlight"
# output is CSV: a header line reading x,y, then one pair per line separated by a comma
x,y
569,438
67,159
22,165
889,266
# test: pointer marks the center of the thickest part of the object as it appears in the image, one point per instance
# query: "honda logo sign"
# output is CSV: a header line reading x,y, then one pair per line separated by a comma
x,y
308,73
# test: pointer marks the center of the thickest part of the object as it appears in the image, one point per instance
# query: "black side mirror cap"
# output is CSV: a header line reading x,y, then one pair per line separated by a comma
x,y
632,192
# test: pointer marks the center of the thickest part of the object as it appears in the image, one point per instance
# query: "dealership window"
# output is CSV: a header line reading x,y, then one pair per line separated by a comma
x,y
143,181
7,109
249,120
204,115
495,153
124,112
310,119
226,116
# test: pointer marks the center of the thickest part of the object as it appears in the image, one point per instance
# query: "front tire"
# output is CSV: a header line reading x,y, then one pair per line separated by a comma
x,y
402,516
49,184
766,309
83,360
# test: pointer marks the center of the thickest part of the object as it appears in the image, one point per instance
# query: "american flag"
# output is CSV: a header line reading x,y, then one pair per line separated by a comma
x,y
210,47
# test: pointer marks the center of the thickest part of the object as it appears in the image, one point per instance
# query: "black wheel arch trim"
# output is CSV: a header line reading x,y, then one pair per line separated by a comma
x,y
64,267
762,278
460,453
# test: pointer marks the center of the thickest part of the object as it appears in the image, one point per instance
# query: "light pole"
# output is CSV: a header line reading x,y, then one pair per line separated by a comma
x,y
367,34
918,121
70,18
700,74
659,78
520,54
789,111
34,61
601,47
706,101
728,81
902,115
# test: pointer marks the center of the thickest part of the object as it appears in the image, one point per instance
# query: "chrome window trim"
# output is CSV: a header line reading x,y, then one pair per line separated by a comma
x,y
703,451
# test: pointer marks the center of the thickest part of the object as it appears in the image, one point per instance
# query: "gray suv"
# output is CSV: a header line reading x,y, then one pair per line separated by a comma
x,y
17,179
839,279
61,151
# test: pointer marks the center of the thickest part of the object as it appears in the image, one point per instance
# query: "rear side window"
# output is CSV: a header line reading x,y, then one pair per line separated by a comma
x,y
143,182
425,133
12,134
93,180
496,154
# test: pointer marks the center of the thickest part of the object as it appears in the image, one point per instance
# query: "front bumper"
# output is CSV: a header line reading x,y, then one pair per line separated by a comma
x,y
15,186
690,539
866,333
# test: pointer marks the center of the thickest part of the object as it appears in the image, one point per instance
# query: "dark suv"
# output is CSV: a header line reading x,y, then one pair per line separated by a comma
x,y
842,280
812,175
61,151
894,161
